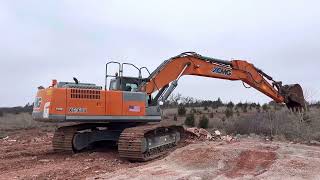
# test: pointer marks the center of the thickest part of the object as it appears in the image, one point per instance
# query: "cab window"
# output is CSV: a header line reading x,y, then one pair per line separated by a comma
x,y
113,85
131,87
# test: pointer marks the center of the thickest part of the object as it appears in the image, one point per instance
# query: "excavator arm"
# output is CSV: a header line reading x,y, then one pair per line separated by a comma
x,y
165,78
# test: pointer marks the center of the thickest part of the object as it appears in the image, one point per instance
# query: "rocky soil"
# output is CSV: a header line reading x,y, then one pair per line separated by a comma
x,y
249,158
27,154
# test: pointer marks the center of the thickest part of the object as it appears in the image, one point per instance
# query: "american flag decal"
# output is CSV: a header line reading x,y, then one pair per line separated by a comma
x,y
134,108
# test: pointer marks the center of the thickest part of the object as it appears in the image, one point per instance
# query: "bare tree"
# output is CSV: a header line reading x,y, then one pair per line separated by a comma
x,y
175,98
310,95
187,100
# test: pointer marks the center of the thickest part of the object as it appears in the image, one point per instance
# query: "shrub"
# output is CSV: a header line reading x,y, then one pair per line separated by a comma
x,y
238,113
205,108
204,122
278,123
277,107
230,105
216,104
258,108
1,113
189,120
223,119
245,107
239,105
181,110
228,112
265,107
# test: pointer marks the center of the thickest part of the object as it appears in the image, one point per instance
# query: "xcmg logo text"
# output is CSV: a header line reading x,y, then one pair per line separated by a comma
x,y
223,71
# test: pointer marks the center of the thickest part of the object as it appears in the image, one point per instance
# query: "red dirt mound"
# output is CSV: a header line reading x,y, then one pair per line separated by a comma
x,y
251,162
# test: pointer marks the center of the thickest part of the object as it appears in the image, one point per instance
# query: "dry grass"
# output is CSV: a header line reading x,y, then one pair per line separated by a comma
x,y
280,123
9,122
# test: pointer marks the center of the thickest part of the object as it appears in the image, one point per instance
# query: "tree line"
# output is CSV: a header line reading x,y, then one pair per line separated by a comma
x,y
207,108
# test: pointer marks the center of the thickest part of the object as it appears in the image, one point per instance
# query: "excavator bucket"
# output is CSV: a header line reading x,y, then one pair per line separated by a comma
x,y
293,97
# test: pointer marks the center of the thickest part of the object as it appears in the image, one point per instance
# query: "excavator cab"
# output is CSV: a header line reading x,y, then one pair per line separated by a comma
x,y
119,82
130,84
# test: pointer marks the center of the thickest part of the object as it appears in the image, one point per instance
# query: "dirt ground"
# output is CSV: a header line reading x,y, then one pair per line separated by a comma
x,y
27,154
246,159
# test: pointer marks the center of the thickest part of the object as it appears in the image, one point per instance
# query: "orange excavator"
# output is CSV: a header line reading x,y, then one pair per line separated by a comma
x,y
128,111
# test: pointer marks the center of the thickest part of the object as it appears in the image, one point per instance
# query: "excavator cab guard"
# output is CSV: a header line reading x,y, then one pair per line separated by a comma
x,y
119,82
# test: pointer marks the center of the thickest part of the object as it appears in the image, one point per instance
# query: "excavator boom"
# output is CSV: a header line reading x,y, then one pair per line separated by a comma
x,y
190,63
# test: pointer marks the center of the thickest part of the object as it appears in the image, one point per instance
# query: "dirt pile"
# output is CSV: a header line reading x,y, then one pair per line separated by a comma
x,y
199,134
244,159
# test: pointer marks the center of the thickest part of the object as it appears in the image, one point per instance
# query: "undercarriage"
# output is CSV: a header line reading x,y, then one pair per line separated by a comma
x,y
136,142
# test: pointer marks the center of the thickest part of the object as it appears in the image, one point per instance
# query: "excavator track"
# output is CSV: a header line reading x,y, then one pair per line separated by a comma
x,y
62,139
135,143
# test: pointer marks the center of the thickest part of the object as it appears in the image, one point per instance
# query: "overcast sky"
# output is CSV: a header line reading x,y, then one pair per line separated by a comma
x,y
44,40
